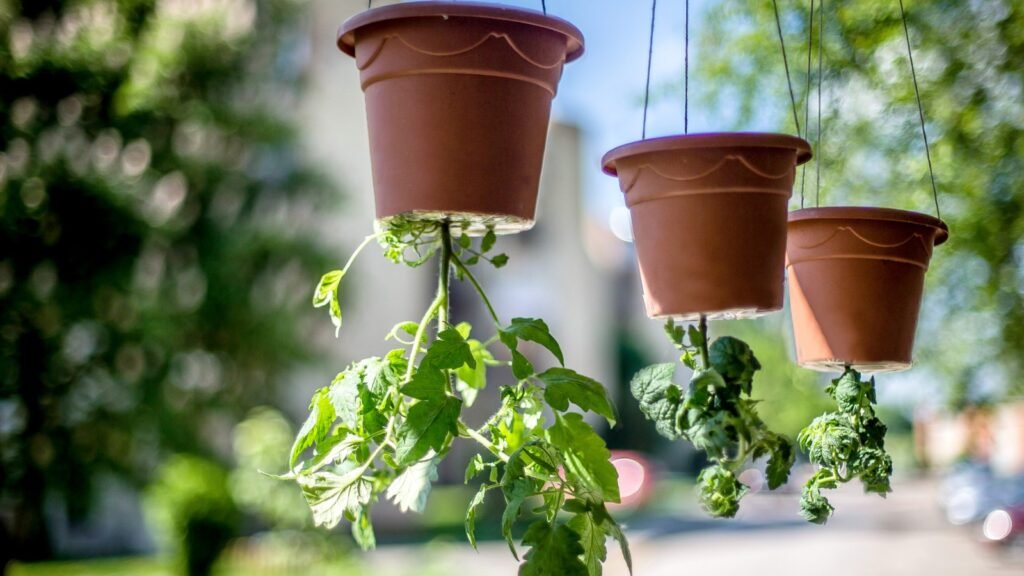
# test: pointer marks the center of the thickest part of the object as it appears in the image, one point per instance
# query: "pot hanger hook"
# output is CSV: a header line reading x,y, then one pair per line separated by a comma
x,y
920,112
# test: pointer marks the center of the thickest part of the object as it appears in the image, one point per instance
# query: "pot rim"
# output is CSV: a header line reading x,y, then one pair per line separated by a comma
x,y
707,140
482,10
872,213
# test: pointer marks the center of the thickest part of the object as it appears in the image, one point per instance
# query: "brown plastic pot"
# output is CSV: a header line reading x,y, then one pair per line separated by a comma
x,y
458,98
709,219
856,276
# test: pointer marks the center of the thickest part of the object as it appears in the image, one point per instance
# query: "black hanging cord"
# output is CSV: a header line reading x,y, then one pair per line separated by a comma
x,y
785,62
686,73
650,54
369,4
920,111
807,97
544,6
817,137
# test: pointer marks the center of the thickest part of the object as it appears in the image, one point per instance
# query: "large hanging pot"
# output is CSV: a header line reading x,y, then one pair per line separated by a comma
x,y
709,219
856,276
458,98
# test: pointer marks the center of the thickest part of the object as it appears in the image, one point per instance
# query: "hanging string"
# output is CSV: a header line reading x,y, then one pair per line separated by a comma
x,y
920,111
544,6
785,62
369,4
650,54
807,96
817,138
686,72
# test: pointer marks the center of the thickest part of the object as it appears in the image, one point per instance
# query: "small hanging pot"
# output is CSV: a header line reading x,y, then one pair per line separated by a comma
x,y
709,219
856,276
458,98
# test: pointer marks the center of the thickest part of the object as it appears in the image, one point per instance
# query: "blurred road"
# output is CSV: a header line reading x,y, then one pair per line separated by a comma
x,y
903,535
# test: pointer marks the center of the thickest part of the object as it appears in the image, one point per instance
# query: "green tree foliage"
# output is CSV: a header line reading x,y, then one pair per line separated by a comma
x,y
150,264
970,66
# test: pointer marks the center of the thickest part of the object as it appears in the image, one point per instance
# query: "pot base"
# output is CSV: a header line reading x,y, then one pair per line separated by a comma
x,y
839,366
469,223
734,314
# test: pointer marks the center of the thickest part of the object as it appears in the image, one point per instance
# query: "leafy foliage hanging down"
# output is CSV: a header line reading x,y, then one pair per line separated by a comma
x,y
715,413
385,423
845,445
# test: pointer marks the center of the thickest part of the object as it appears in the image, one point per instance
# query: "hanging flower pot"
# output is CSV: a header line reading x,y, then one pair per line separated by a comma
x,y
709,219
458,97
856,276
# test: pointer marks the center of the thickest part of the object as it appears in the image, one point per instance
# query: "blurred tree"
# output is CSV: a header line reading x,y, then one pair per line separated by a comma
x,y
154,239
970,65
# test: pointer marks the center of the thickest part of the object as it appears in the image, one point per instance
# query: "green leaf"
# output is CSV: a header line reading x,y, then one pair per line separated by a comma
x,y
554,551
344,396
316,427
659,397
521,367
427,383
703,384
534,330
849,393
410,490
450,351
488,240
814,507
474,379
780,463
587,460
829,440
362,530
592,539
563,386
696,338
474,467
735,361
711,434
465,241
332,497
719,491
474,504
516,491
613,529
428,425
499,261
408,327
326,294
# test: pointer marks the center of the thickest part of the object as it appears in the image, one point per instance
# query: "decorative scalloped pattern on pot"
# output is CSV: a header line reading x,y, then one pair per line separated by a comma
x,y
855,285
458,98
709,220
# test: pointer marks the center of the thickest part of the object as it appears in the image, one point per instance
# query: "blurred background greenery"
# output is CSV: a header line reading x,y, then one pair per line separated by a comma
x,y
161,228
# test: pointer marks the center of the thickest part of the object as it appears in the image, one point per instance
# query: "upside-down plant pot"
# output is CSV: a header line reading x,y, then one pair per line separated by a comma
x,y
458,98
709,219
856,276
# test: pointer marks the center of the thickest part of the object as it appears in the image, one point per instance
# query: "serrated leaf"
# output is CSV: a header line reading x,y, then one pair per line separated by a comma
x,y
586,459
534,330
563,386
659,398
474,504
592,539
735,361
344,396
473,379
474,467
780,463
719,491
516,492
427,383
410,490
317,425
327,288
450,351
332,497
427,426
615,531
553,550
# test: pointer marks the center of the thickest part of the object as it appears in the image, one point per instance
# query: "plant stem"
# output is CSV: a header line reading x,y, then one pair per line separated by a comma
x,y
355,254
479,289
705,357
444,275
